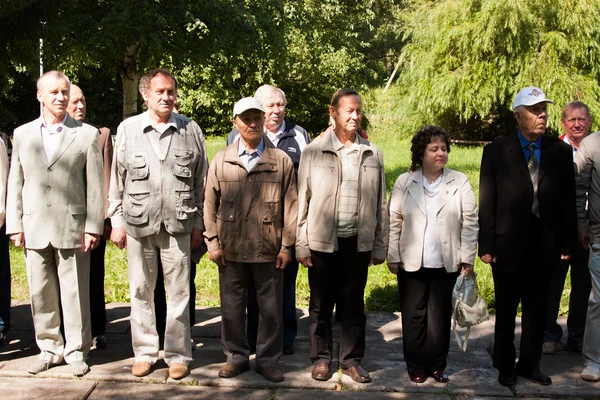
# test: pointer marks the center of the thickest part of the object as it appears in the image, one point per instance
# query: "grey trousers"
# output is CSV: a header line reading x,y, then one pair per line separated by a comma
x,y
60,277
591,337
233,284
142,259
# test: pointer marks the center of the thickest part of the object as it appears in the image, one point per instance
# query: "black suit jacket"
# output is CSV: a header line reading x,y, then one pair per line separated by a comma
x,y
505,197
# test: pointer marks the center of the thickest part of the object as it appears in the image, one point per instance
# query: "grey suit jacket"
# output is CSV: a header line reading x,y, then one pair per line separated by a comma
x,y
55,202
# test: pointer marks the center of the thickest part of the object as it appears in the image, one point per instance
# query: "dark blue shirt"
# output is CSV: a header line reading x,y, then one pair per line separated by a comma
x,y
524,143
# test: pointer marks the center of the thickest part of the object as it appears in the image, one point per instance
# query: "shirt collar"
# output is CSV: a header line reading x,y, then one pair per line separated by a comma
x,y
337,145
259,149
525,142
54,128
147,122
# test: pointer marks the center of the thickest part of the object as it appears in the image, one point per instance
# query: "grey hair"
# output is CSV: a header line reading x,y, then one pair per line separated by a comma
x,y
575,105
53,74
262,92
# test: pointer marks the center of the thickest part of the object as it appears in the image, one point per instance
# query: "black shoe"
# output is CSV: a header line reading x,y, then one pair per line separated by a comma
x,y
507,380
440,376
100,341
535,376
418,377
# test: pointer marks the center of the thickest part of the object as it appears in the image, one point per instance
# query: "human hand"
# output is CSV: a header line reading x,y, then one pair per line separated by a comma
x,y
283,259
467,269
393,267
584,239
376,261
196,239
488,258
119,237
217,257
18,239
90,242
306,261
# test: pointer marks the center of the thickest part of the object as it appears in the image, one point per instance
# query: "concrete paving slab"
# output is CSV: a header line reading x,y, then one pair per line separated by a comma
x,y
123,391
43,389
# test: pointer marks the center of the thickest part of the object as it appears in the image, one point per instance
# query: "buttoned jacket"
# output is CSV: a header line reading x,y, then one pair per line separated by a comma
x,y
55,202
251,216
456,219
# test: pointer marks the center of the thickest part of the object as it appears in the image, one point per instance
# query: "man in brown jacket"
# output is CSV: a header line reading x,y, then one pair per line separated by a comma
x,y
250,210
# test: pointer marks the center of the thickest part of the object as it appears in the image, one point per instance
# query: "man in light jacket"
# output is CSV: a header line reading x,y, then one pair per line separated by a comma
x,y
342,229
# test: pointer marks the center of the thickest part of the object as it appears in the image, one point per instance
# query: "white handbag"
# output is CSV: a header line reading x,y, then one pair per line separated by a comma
x,y
469,307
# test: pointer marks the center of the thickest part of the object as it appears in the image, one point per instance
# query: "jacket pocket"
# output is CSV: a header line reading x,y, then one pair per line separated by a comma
x,y
77,209
227,230
183,159
272,227
139,167
184,204
137,211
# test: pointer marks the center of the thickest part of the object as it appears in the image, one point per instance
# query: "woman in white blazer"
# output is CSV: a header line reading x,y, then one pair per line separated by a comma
x,y
433,236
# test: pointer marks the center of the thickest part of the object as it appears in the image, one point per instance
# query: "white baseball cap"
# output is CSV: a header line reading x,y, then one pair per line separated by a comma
x,y
529,96
245,104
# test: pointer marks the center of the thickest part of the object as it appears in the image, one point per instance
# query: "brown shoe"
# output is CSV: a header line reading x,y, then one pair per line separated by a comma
x,y
141,368
357,373
270,374
178,370
230,370
321,372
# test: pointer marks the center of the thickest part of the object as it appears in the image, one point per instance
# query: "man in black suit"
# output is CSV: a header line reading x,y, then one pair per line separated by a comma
x,y
527,225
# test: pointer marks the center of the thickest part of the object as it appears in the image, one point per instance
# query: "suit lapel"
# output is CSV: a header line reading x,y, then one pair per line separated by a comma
x,y
447,189
416,191
68,136
545,148
38,145
518,158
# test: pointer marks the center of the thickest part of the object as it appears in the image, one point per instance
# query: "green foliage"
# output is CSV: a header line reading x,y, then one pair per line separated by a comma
x,y
466,60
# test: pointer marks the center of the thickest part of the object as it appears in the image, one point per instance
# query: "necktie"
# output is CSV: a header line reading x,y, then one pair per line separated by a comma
x,y
534,169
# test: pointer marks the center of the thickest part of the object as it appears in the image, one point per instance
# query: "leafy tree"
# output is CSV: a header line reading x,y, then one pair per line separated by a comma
x,y
467,59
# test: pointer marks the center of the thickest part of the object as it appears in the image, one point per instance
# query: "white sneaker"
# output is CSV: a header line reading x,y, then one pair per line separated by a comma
x,y
590,374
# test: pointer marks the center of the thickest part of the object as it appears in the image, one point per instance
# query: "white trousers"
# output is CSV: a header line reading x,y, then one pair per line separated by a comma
x,y
591,338
142,255
60,277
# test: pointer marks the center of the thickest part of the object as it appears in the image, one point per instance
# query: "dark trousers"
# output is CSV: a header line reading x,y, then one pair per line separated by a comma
x,y
426,304
290,324
581,286
348,268
97,301
527,283
4,282
234,279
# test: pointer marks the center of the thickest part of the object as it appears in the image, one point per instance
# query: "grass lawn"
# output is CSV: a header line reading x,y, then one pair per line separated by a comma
x,y
381,292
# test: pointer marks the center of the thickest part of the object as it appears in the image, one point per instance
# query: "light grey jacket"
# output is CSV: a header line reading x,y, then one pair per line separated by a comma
x,y
55,202
319,179
587,186
456,218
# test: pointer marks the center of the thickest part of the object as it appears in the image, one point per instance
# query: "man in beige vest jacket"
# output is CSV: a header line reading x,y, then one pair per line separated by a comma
x,y
156,196
55,210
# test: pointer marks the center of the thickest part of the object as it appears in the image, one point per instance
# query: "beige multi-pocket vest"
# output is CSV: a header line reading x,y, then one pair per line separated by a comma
x,y
158,191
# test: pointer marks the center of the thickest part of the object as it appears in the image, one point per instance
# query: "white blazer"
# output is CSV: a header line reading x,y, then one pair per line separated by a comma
x,y
456,218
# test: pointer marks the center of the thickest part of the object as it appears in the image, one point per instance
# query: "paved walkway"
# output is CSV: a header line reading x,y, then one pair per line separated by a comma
x,y
471,373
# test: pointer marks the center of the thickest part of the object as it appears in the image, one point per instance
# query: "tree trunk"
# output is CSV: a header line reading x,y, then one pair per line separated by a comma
x,y
130,80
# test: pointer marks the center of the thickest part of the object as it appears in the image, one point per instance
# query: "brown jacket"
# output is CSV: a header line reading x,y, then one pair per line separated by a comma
x,y
251,216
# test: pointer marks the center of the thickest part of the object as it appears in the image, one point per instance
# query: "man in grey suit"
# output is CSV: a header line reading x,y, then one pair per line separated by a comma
x,y
55,210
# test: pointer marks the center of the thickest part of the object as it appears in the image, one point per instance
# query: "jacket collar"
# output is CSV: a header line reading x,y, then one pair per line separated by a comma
x,y
326,144
67,138
447,189
266,162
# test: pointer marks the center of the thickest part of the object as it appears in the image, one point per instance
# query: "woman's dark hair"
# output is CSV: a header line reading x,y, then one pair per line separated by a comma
x,y
422,138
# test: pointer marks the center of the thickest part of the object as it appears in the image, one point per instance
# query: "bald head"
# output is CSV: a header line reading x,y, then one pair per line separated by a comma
x,y
76,107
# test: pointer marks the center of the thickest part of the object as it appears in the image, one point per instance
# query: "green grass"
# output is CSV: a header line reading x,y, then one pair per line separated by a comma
x,y
381,291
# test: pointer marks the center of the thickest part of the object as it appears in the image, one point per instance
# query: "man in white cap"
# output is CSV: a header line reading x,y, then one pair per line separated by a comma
x,y
527,225
250,211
